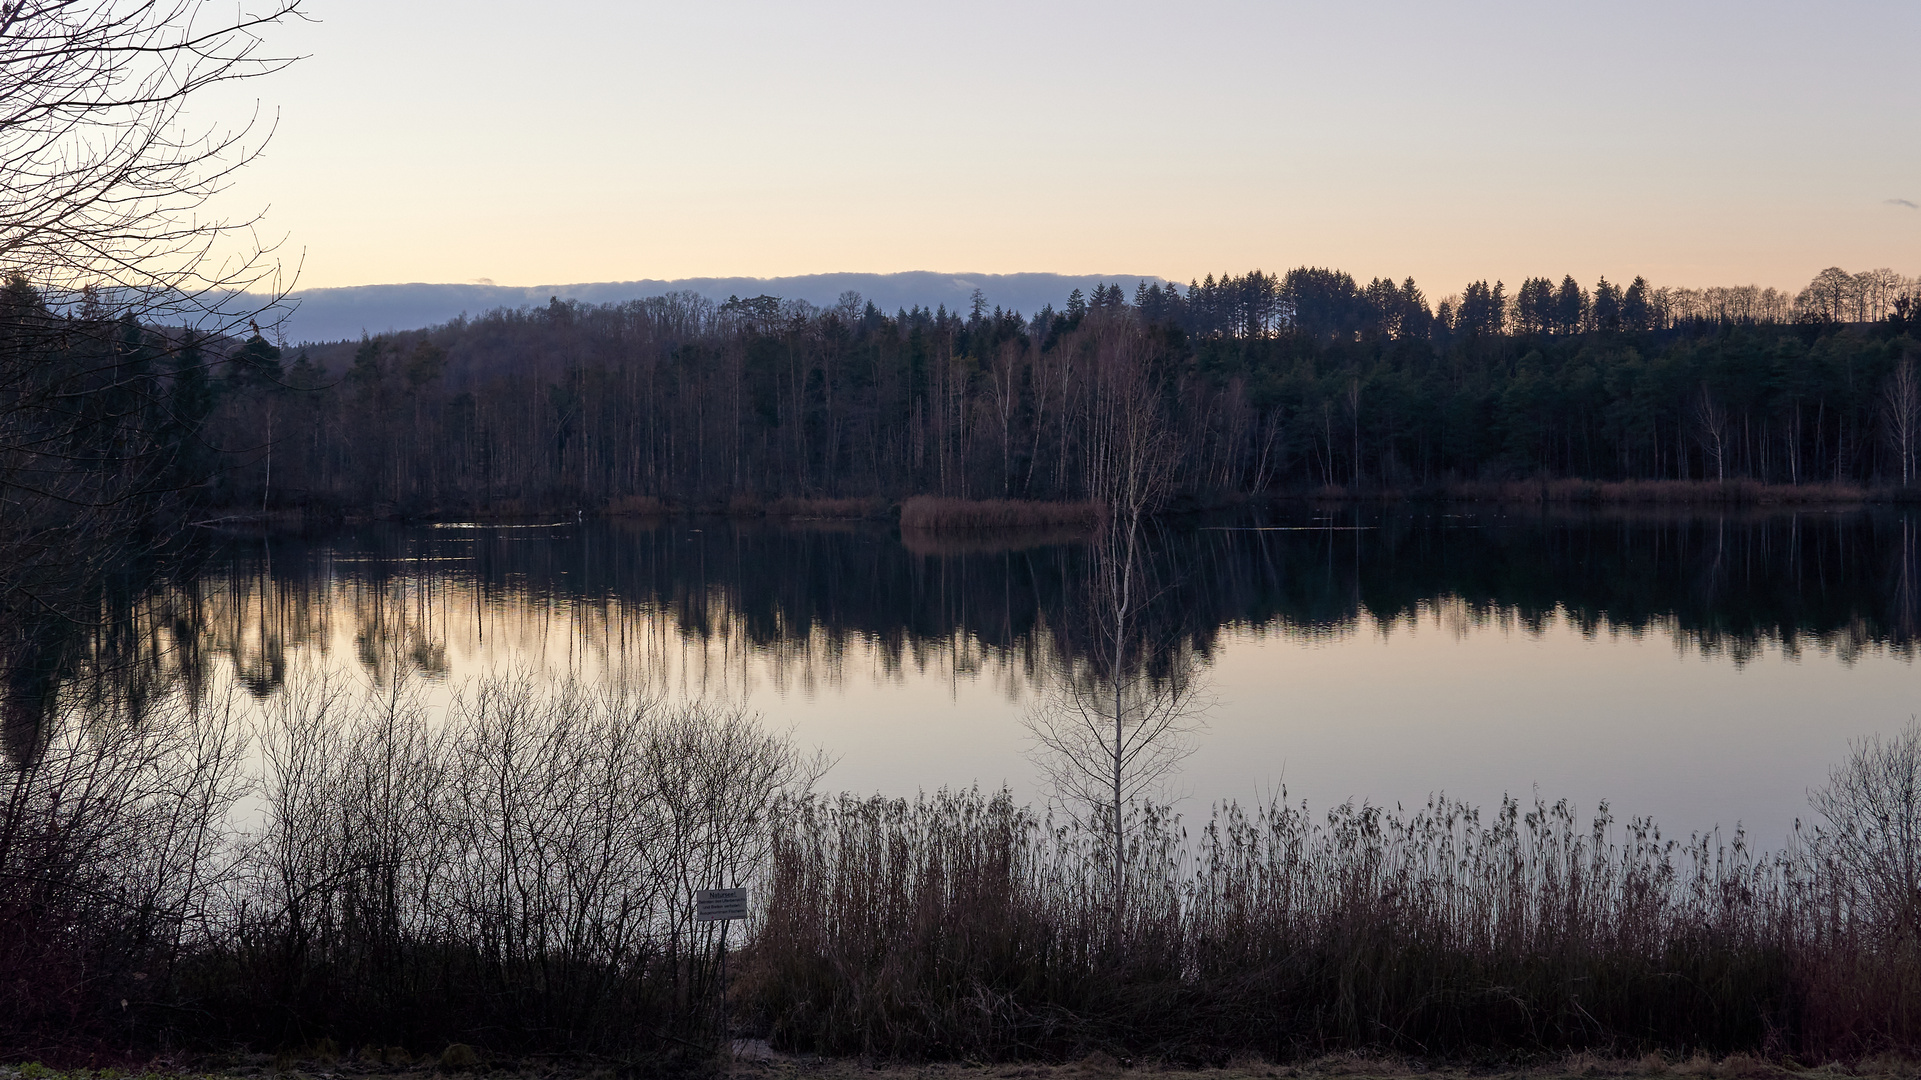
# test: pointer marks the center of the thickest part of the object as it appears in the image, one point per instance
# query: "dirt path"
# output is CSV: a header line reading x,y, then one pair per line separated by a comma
x,y
754,1061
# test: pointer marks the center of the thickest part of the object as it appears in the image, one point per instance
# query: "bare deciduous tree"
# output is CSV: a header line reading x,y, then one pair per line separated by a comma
x,y
1112,731
1711,430
1876,291
112,825
101,178
1831,295
1003,385
1108,738
1869,847
1901,413
102,187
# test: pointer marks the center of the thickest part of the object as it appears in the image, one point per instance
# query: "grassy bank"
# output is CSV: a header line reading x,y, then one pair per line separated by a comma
x,y
1101,1066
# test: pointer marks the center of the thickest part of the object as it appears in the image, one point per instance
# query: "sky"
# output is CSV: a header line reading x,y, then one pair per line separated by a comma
x,y
608,140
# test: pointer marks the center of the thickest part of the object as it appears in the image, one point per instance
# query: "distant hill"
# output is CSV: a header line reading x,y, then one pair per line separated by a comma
x,y
345,313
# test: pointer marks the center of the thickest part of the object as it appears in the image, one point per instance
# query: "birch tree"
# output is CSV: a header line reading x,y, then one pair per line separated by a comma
x,y
1901,413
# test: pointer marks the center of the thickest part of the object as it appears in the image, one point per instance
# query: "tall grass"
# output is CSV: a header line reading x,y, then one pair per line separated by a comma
x,y
964,925
935,514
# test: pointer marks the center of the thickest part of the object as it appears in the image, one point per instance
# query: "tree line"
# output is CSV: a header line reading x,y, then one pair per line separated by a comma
x,y
1258,383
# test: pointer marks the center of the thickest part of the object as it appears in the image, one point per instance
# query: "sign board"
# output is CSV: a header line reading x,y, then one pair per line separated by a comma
x,y
719,905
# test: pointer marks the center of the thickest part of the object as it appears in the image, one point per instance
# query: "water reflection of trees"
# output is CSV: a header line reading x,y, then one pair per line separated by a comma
x,y
717,609
105,640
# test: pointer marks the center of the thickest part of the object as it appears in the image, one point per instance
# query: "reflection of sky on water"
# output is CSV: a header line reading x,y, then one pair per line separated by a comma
x,y
1469,698
1644,720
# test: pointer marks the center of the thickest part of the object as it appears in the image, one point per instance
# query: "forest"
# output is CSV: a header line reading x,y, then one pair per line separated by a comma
x,y
1262,384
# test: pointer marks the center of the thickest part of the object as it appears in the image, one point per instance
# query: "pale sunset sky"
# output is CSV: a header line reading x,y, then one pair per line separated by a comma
x,y
596,140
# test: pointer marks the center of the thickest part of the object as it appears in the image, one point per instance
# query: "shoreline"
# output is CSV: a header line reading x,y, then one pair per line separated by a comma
x,y
941,514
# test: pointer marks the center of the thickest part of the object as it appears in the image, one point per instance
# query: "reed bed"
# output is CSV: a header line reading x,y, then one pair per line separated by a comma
x,y
961,925
934,514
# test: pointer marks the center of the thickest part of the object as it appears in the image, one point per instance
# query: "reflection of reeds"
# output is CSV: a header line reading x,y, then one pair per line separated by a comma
x,y
649,506
962,925
797,509
955,542
933,514
827,508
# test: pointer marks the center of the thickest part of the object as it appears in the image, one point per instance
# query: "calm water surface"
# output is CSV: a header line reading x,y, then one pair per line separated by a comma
x,y
1705,669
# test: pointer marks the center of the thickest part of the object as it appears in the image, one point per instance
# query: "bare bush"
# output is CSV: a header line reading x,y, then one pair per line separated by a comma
x,y
112,837
519,873
1868,846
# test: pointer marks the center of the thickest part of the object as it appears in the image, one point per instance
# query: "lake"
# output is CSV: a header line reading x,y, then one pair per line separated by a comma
x,y
1702,668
